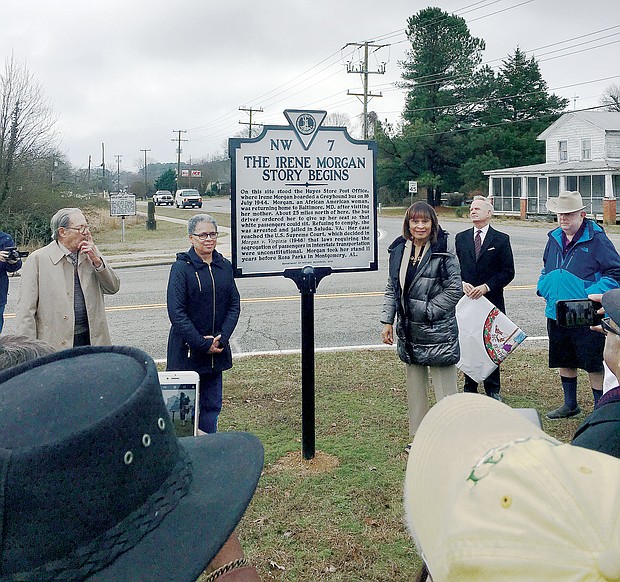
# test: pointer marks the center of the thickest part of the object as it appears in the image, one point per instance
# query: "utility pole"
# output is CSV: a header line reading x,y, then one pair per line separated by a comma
x,y
88,180
250,111
118,172
103,166
362,68
146,188
178,140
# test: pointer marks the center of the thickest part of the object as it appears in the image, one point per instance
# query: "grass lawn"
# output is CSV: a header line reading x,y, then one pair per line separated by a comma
x,y
107,231
340,515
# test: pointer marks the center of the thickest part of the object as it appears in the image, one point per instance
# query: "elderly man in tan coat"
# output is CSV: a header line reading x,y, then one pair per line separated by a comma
x,y
62,287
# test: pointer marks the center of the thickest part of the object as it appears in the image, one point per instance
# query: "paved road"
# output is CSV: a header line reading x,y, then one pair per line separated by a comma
x,y
347,306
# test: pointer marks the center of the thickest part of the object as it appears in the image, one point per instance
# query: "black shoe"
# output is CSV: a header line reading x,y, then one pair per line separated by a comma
x,y
563,412
495,395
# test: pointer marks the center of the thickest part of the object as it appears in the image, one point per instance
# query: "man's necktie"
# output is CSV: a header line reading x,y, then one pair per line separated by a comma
x,y
477,243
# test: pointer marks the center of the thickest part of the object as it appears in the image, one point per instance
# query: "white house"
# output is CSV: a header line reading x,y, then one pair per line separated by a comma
x,y
582,153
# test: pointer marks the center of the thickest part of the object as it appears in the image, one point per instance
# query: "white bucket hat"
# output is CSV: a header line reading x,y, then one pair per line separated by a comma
x,y
565,202
489,496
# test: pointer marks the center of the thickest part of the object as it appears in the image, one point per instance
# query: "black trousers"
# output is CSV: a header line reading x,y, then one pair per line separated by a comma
x,y
491,384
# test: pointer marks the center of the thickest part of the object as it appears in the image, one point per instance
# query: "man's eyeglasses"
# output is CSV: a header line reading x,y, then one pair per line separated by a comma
x,y
81,229
607,328
206,235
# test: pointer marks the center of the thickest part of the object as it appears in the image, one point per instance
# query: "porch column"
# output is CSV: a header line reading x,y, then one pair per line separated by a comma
x,y
563,187
523,201
609,186
609,202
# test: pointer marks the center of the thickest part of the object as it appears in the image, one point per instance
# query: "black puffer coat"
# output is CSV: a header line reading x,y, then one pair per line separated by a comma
x,y
426,327
202,300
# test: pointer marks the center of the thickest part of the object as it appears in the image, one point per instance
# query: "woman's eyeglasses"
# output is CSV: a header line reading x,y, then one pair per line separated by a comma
x,y
206,235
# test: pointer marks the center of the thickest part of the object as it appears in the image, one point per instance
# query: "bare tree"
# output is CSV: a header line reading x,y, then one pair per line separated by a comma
x,y
26,122
611,97
337,119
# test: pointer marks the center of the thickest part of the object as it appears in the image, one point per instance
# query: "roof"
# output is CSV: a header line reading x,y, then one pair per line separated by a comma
x,y
603,120
594,166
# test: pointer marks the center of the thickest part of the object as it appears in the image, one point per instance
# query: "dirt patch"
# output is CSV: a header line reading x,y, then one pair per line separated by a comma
x,y
293,461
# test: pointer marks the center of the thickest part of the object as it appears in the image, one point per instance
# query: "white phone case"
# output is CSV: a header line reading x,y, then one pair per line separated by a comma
x,y
181,391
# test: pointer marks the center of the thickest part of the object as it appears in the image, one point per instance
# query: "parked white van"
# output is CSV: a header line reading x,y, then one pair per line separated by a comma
x,y
187,197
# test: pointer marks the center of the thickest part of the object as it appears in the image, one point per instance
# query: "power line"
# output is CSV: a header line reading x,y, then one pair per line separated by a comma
x,y
300,81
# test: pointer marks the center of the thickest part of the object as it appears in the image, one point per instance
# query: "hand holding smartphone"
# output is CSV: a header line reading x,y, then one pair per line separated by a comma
x,y
578,313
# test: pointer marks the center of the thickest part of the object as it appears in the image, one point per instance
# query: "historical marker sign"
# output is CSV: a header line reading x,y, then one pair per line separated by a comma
x,y
303,195
123,205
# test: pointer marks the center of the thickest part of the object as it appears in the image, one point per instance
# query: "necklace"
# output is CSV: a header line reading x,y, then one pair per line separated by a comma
x,y
415,259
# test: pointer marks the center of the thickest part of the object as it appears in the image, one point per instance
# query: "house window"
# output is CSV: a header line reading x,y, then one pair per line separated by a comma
x,y
598,187
586,149
563,151
554,187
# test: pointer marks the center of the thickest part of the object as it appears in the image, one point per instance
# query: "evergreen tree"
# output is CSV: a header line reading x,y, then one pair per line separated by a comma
x,y
519,107
166,181
522,93
439,68
438,75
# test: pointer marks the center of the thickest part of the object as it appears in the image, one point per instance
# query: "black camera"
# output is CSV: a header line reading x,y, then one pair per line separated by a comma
x,y
14,254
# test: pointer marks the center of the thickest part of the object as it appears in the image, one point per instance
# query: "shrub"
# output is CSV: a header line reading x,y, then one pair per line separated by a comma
x,y
455,198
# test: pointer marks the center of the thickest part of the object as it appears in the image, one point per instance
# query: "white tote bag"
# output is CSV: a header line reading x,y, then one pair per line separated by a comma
x,y
486,337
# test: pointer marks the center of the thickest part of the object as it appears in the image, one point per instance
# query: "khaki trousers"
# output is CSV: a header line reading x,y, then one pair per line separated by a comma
x,y
419,378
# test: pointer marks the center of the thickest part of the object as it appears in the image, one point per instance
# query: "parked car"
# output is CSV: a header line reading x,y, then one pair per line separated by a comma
x,y
163,197
188,197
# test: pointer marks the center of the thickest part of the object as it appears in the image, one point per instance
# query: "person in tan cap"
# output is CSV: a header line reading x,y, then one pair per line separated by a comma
x,y
579,260
489,496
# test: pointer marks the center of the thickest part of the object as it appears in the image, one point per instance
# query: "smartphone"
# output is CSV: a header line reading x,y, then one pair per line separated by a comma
x,y
181,391
578,313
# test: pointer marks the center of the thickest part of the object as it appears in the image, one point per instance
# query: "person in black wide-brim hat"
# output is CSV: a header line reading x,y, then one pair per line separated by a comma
x,y
95,484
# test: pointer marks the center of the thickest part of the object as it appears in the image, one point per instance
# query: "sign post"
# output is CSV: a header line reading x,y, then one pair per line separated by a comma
x,y
303,207
413,189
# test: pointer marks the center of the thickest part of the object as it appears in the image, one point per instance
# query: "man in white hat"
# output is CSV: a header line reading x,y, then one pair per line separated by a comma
x,y
579,260
489,496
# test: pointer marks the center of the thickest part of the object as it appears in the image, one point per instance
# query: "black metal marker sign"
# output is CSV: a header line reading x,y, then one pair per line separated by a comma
x,y
303,195
304,205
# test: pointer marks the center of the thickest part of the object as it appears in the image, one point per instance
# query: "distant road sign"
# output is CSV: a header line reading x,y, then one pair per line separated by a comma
x,y
123,205
413,187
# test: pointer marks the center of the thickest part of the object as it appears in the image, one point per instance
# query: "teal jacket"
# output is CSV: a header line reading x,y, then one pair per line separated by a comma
x,y
591,265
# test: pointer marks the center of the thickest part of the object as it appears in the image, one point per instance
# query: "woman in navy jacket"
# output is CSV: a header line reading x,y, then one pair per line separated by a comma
x,y
203,307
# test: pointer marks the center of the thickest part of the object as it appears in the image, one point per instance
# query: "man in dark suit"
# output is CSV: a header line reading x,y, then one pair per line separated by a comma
x,y
487,266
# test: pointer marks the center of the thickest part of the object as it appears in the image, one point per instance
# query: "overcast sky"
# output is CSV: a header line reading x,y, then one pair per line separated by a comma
x,y
129,73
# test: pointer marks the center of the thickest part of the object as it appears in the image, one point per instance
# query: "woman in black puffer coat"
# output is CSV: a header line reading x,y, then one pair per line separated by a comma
x,y
424,286
203,307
